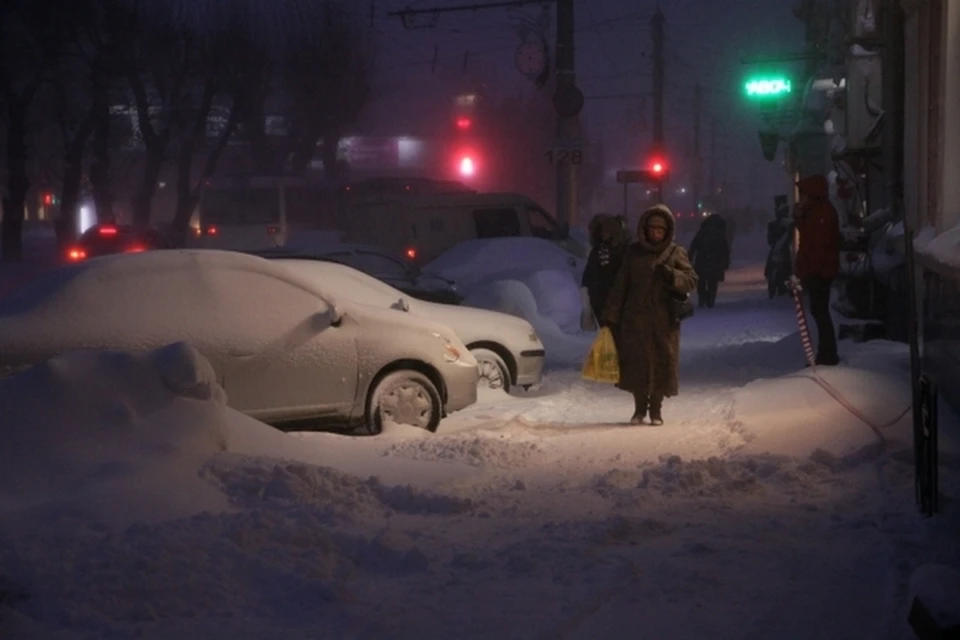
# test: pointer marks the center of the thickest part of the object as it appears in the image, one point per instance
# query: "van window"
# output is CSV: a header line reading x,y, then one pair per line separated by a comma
x,y
496,223
542,225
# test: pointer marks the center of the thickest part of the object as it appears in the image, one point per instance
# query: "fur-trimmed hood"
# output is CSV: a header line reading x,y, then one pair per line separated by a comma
x,y
664,212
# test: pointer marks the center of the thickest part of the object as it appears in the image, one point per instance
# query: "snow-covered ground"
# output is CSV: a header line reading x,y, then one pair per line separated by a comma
x,y
133,503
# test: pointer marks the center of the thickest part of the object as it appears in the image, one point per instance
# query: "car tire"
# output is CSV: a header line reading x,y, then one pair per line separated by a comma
x,y
406,397
494,372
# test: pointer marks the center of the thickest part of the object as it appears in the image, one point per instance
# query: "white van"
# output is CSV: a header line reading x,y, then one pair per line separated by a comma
x,y
422,226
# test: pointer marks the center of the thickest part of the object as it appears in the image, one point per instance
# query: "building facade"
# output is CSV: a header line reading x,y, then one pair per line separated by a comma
x,y
932,178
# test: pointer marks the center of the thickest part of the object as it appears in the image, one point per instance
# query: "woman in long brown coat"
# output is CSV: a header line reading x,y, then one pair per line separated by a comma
x,y
642,318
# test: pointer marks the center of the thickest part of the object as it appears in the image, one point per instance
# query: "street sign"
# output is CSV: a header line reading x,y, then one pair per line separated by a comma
x,y
768,87
572,154
641,175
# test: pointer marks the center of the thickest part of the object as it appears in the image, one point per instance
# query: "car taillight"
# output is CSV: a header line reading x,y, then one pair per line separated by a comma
x,y
272,230
136,248
76,254
107,231
411,253
211,230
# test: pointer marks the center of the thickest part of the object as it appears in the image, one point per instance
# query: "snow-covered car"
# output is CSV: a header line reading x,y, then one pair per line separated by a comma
x,y
397,272
284,350
507,348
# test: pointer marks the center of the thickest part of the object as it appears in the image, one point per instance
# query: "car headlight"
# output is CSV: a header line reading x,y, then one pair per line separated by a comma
x,y
450,353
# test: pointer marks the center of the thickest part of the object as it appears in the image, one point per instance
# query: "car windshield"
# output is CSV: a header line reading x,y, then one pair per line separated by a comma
x,y
375,264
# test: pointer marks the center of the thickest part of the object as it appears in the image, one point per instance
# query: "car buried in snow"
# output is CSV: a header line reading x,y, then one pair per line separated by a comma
x,y
507,348
285,351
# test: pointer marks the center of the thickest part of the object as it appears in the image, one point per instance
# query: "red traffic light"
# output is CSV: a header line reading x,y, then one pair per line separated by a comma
x,y
47,198
658,169
658,166
467,167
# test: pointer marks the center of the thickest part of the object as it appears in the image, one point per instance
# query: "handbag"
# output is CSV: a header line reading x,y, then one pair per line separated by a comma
x,y
681,305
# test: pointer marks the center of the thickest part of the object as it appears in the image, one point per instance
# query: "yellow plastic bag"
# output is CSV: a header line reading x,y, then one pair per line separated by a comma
x,y
602,364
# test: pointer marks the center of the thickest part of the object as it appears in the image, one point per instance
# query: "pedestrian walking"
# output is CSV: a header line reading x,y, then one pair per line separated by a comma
x,y
710,255
608,241
642,315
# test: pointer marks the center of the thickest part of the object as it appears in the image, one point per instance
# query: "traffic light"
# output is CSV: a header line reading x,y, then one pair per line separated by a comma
x,y
464,123
658,169
48,198
466,166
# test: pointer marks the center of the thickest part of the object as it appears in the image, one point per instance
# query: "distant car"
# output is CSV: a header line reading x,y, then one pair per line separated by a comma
x,y
285,349
105,239
394,271
507,348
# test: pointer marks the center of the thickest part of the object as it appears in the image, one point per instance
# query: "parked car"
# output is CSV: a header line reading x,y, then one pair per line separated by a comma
x,y
394,271
506,347
285,349
105,239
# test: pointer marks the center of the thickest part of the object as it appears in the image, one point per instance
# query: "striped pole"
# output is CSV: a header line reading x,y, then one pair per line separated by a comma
x,y
802,323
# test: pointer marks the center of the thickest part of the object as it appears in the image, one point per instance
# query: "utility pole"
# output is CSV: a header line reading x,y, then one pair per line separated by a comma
x,y
567,101
656,24
697,160
713,160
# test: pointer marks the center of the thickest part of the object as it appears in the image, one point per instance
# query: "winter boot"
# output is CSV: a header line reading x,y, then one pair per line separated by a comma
x,y
639,409
656,415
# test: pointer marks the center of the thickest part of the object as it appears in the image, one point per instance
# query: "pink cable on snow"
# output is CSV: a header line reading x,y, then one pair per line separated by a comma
x,y
829,388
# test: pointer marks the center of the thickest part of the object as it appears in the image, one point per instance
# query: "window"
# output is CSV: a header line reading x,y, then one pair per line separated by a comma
x,y
306,205
375,264
542,225
240,206
496,223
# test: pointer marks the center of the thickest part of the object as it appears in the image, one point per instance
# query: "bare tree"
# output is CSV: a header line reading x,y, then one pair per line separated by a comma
x,y
233,74
326,75
27,45
157,53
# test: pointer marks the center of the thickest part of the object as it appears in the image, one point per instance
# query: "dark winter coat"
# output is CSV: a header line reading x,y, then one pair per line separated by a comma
x,y
709,251
647,333
604,261
818,226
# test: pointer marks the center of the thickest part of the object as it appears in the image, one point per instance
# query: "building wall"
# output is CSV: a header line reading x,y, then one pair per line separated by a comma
x,y
950,186
932,174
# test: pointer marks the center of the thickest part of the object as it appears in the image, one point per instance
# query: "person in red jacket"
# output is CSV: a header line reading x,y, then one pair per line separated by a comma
x,y
818,259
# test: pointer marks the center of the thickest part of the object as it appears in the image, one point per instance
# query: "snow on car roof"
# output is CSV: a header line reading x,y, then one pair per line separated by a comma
x,y
139,301
64,283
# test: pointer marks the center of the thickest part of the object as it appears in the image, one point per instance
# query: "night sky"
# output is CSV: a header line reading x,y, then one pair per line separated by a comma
x,y
705,40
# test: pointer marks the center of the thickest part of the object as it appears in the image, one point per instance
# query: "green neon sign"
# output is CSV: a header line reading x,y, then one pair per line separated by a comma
x,y
768,87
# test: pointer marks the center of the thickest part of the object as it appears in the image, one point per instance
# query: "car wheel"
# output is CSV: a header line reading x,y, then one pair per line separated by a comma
x,y
404,397
494,373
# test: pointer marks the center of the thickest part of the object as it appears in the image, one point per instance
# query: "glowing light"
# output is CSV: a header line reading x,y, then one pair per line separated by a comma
x,y
467,167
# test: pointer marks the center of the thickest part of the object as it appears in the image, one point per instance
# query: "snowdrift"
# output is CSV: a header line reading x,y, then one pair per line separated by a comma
x,y
794,416
78,427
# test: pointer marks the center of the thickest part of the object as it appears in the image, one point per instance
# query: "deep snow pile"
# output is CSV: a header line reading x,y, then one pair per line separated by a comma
x,y
943,247
130,496
536,515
